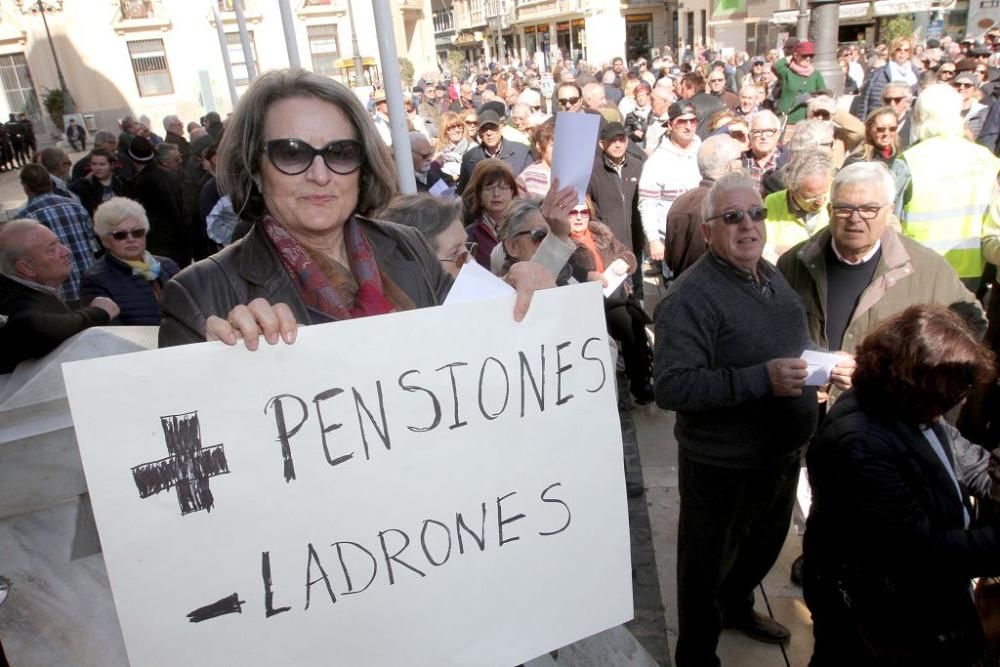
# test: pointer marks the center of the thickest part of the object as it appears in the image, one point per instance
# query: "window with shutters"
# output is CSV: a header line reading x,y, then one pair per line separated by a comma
x,y
324,48
152,72
241,76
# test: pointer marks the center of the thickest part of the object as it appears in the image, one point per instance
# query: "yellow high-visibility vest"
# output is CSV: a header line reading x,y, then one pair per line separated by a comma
x,y
951,180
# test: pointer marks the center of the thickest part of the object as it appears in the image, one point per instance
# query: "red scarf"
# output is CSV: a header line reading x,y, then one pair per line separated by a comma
x,y
586,239
316,289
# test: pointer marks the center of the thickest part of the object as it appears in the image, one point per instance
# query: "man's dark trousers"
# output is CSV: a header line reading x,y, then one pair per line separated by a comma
x,y
733,523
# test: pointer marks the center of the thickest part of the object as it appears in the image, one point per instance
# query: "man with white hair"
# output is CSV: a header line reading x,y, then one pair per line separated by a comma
x,y
944,208
174,128
897,94
424,171
518,127
848,131
860,254
33,265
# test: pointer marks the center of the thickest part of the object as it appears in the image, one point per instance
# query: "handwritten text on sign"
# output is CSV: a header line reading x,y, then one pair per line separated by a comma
x,y
433,487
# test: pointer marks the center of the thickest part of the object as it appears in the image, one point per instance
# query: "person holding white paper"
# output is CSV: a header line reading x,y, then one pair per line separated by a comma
x,y
305,164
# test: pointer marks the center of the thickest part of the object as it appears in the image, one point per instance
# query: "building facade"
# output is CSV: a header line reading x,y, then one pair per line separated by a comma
x,y
595,30
159,57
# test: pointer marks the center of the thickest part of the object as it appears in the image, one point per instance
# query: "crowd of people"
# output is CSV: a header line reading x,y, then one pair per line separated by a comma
x,y
778,215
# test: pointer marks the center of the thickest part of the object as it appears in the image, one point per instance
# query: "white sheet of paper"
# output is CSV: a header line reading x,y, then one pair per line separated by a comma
x,y
573,150
440,486
475,283
442,189
820,366
614,280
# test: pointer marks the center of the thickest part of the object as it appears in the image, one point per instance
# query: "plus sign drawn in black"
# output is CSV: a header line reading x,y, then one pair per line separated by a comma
x,y
187,469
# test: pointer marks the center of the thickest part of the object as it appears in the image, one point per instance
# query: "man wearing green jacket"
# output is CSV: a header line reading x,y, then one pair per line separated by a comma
x,y
798,78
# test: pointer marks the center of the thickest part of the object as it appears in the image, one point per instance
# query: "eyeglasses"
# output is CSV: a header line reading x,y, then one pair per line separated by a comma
x,y
961,85
497,188
581,212
456,127
463,257
123,234
295,156
770,132
886,128
866,211
568,101
716,80
537,235
472,123
893,100
902,49
735,216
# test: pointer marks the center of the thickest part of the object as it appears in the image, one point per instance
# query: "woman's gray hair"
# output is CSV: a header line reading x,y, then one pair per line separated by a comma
x,y
872,173
242,146
807,163
117,210
517,214
811,133
938,112
431,215
734,180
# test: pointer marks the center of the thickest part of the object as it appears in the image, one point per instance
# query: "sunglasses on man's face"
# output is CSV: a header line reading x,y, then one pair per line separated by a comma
x,y
123,234
894,100
735,216
568,101
537,235
295,156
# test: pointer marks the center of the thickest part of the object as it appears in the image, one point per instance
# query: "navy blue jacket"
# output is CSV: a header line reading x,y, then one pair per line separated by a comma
x,y
113,278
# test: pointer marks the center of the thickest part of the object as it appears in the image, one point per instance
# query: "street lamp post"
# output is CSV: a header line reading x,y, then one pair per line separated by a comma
x,y
826,23
359,68
69,106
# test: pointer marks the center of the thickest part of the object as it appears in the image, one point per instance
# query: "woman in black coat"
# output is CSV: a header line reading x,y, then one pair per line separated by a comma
x,y
127,274
891,543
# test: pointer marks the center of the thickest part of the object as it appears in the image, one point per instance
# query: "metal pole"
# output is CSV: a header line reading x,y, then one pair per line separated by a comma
x,y
227,63
241,23
394,97
69,106
289,27
359,67
826,22
802,27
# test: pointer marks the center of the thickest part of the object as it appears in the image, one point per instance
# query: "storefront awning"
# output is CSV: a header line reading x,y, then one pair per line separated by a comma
x,y
860,10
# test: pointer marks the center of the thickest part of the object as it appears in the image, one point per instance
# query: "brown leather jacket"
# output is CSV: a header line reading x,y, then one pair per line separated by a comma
x,y
251,269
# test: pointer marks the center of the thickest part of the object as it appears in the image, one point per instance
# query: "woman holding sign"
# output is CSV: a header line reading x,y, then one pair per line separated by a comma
x,y
303,162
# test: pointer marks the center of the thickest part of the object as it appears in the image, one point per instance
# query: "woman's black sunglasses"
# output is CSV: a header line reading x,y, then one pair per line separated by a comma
x,y
294,156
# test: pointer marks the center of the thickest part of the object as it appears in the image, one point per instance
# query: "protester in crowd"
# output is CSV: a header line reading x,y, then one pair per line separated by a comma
x,y
490,191
973,111
685,240
440,221
946,214
848,131
527,231
599,251
159,192
717,87
535,179
127,274
174,128
765,154
614,188
107,141
612,92
76,135
729,334
881,142
307,261
636,98
798,78
693,92
749,101
670,171
755,77
892,541
100,184
519,126
809,136
428,109
465,100
799,211
656,122
33,266
899,69
898,96
168,156
425,171
66,218
58,164
492,146
451,146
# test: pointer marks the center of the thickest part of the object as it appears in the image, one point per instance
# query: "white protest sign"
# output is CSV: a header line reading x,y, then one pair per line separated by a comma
x,y
434,487
573,150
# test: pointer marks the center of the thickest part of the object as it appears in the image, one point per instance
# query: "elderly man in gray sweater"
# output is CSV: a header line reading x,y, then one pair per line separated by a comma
x,y
729,337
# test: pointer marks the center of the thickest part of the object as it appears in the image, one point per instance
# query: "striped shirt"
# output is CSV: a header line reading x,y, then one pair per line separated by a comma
x,y
534,180
669,172
69,221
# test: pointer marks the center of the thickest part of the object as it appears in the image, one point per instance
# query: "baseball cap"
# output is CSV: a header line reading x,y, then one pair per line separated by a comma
x,y
612,130
678,109
488,117
805,49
